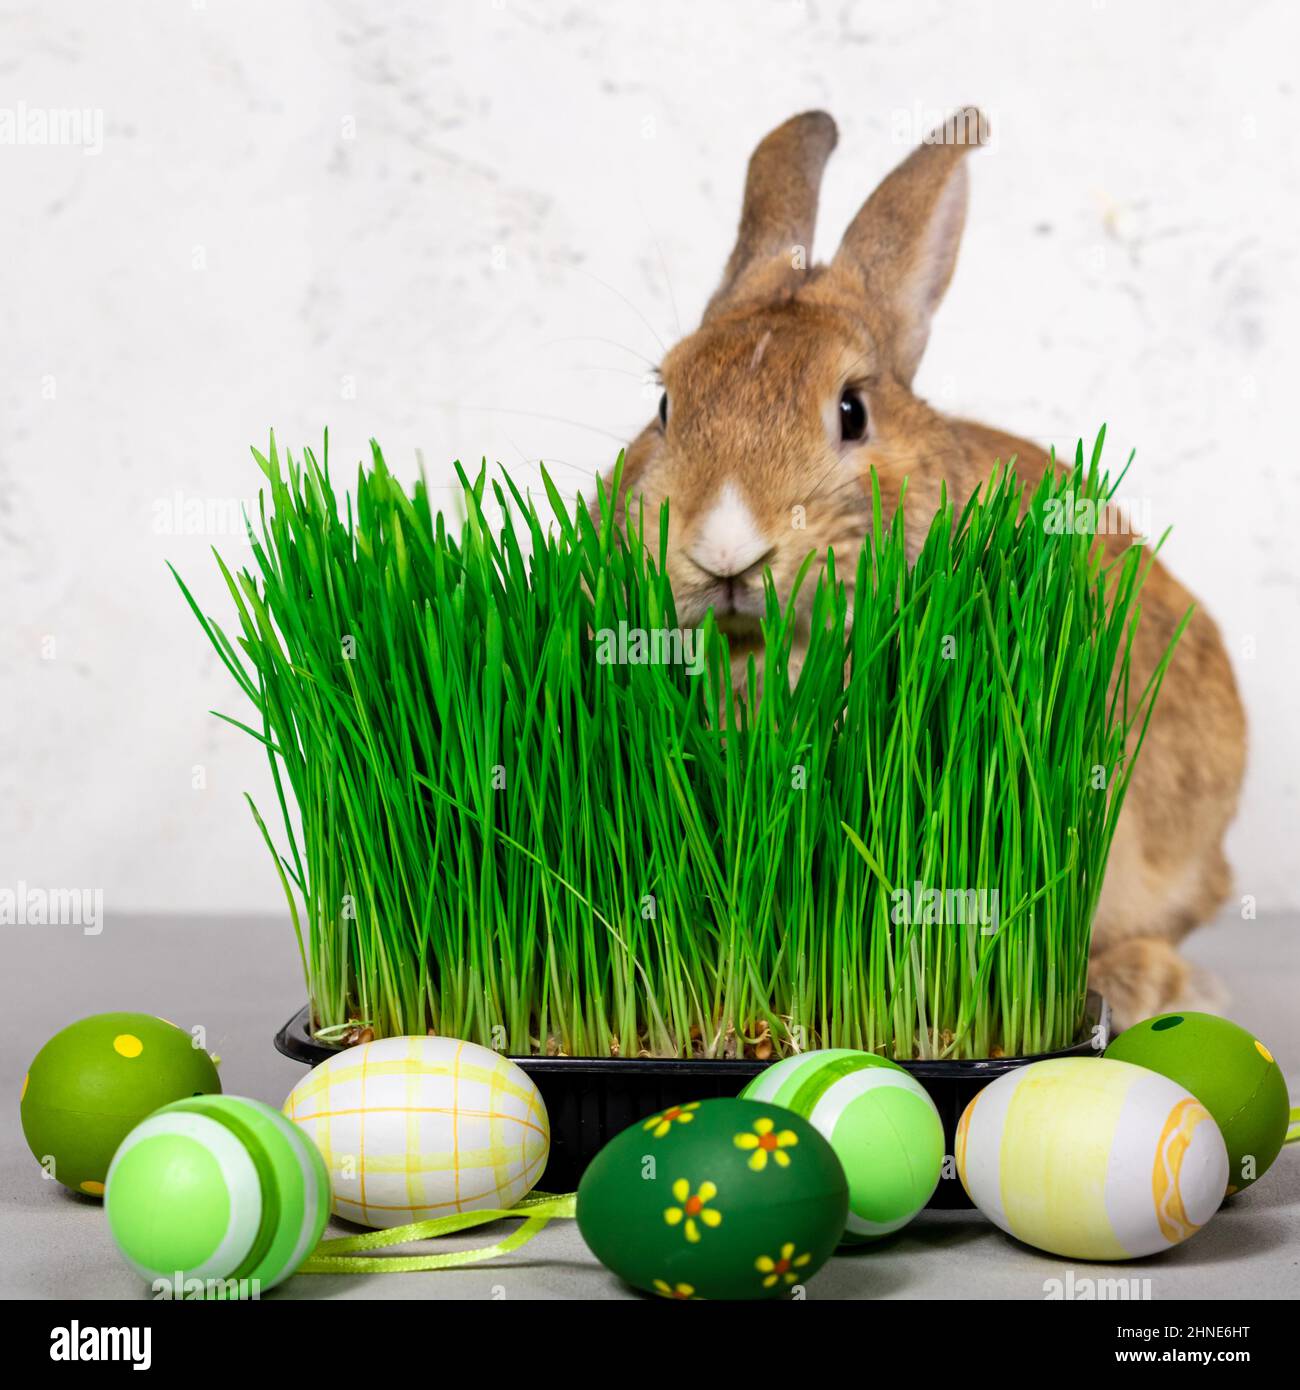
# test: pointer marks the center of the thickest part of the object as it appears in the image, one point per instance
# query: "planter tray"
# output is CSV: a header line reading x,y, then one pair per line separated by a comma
x,y
591,1099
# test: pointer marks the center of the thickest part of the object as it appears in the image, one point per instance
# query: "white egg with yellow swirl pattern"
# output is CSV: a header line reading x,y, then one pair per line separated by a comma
x,y
416,1128
1091,1158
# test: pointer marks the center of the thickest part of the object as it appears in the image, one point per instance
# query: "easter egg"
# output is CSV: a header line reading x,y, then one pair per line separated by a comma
x,y
95,1080
218,1189
1091,1158
716,1199
879,1120
1229,1071
421,1127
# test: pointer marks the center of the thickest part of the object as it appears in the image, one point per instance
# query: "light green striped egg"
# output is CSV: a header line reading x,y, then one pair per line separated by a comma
x,y
880,1122
217,1189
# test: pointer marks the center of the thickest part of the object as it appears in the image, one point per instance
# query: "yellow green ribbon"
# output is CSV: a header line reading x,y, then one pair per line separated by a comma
x,y
344,1255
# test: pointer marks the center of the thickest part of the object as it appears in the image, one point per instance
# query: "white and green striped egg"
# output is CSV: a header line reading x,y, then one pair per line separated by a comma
x,y
879,1120
219,1189
1091,1158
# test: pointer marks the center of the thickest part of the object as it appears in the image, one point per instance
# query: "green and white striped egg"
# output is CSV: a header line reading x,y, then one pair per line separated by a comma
x,y
218,1189
880,1122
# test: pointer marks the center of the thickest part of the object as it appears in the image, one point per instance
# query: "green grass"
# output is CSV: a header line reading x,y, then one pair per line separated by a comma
x,y
492,834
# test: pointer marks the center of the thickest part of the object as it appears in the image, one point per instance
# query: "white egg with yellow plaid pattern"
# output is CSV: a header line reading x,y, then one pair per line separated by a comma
x,y
417,1128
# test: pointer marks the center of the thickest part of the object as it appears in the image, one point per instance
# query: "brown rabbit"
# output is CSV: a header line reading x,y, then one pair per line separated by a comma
x,y
797,383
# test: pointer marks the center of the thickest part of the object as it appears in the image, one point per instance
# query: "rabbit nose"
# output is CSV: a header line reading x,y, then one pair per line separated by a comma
x,y
729,573
728,542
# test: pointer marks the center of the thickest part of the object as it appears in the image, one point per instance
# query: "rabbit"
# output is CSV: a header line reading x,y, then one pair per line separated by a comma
x,y
796,384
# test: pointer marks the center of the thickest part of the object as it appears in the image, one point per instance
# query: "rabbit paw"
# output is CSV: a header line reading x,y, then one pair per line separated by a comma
x,y
1145,976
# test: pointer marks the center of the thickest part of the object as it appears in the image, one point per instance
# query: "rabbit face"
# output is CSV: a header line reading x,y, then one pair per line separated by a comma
x,y
797,383
770,423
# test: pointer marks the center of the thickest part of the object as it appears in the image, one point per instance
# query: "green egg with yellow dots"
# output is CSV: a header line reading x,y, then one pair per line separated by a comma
x,y
94,1081
1229,1070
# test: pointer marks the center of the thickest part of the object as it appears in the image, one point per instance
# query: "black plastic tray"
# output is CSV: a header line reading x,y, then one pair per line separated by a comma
x,y
591,1099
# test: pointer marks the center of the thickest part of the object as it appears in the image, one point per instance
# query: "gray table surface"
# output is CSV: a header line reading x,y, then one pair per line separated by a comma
x,y
240,979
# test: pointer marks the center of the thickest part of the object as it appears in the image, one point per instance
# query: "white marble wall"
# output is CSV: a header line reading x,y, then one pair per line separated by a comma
x,y
467,228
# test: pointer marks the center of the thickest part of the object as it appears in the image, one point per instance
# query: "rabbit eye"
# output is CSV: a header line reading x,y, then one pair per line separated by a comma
x,y
663,409
853,417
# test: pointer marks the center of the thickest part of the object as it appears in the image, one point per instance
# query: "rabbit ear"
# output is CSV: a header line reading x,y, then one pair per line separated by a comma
x,y
773,245
901,248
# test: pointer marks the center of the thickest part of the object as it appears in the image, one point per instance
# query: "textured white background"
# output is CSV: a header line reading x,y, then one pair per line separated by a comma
x,y
465,229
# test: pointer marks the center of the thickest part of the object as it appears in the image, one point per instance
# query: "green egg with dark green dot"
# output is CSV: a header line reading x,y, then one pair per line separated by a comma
x,y
1229,1070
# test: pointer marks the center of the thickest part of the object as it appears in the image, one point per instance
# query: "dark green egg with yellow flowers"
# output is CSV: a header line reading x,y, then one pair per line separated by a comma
x,y
715,1199
1229,1071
